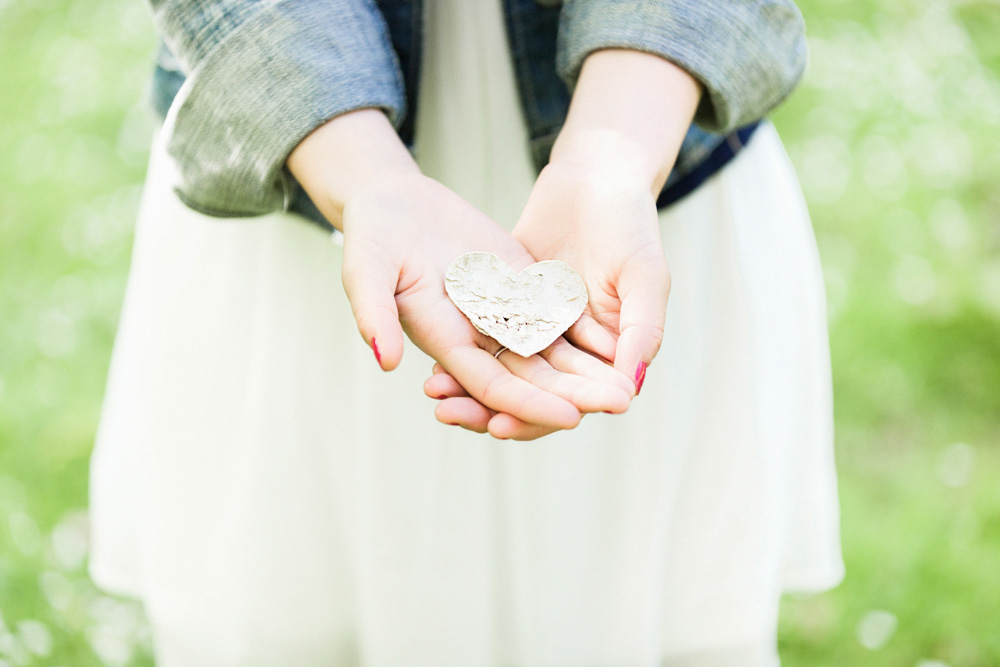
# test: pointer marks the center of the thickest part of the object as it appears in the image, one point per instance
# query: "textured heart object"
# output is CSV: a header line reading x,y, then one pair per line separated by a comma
x,y
525,312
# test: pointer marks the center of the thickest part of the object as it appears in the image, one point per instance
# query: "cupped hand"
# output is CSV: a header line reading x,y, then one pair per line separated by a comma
x,y
401,232
604,223
458,407
400,236
594,206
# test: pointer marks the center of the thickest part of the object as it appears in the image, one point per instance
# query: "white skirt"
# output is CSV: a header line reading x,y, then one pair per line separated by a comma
x,y
275,499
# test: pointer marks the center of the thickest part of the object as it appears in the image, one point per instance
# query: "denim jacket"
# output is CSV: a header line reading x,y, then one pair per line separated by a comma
x,y
246,80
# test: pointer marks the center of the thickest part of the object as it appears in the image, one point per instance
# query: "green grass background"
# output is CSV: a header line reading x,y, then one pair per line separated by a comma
x,y
896,136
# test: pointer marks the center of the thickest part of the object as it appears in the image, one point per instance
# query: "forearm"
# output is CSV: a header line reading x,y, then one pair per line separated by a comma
x,y
260,77
629,114
346,155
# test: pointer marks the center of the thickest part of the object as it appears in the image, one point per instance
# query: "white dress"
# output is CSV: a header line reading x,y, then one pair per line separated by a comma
x,y
275,499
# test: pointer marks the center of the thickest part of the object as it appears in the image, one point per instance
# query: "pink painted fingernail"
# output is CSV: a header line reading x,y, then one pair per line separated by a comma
x,y
441,397
452,423
640,376
608,412
378,355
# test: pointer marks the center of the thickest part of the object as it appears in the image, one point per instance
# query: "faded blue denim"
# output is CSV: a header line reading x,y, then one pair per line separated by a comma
x,y
261,74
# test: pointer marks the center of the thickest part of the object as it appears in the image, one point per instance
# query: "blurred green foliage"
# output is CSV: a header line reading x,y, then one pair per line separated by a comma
x,y
896,135
73,144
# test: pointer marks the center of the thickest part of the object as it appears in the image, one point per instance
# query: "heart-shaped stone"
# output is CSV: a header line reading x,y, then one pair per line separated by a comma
x,y
526,311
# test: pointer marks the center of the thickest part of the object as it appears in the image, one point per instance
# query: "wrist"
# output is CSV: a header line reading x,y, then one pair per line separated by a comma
x,y
630,112
610,155
347,155
582,203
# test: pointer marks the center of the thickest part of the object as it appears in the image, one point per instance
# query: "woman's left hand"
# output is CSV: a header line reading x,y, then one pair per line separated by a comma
x,y
594,205
605,225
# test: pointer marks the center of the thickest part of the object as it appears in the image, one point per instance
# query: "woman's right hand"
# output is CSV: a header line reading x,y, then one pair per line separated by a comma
x,y
401,232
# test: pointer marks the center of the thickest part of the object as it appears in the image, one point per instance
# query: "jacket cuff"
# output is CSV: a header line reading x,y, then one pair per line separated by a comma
x,y
283,72
748,54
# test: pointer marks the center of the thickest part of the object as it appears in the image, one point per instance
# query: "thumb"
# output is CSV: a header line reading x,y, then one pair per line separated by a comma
x,y
370,282
643,288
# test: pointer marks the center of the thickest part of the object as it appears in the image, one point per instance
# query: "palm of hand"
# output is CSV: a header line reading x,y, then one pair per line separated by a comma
x,y
608,230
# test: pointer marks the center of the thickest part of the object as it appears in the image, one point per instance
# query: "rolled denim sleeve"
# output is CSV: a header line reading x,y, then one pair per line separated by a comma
x,y
748,54
261,75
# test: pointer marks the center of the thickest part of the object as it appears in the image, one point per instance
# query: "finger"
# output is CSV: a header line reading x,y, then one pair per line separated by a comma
x,y
438,368
465,412
442,386
489,382
471,415
370,284
566,358
505,427
587,334
586,394
643,295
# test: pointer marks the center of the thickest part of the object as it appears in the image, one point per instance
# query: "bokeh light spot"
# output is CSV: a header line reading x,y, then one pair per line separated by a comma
x,y
36,637
24,533
955,464
876,628
915,280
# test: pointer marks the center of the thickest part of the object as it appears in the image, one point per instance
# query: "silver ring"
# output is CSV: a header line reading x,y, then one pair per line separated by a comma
x,y
496,355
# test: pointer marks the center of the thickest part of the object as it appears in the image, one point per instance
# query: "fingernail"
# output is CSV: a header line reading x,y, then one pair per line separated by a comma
x,y
378,355
441,397
640,376
608,412
452,423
